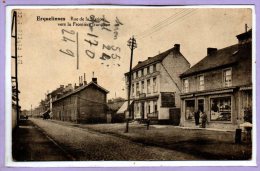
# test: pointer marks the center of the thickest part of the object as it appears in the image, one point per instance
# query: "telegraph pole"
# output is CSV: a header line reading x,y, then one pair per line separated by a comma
x,y
132,45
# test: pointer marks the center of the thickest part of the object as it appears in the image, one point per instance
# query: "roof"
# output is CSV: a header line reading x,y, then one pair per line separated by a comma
x,y
82,88
222,57
124,107
115,105
155,59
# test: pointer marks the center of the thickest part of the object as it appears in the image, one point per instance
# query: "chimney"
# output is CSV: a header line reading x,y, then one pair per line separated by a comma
x,y
85,82
139,62
210,51
177,47
61,86
149,57
75,86
94,80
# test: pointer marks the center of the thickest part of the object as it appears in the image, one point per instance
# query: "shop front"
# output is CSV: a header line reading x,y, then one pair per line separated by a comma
x,y
220,109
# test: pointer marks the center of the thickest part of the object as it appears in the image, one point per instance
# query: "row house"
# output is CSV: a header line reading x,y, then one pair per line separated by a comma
x,y
156,85
220,85
85,104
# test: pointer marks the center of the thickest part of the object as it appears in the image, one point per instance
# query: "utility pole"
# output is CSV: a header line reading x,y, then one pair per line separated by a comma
x,y
132,45
15,78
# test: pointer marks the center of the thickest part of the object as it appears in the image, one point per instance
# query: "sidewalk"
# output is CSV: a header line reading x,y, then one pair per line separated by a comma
x,y
30,143
204,143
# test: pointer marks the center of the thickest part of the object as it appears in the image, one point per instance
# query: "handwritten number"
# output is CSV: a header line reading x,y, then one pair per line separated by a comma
x,y
67,52
105,56
90,54
65,39
70,32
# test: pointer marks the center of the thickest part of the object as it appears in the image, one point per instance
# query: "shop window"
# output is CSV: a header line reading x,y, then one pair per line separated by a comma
x,y
227,77
189,109
220,109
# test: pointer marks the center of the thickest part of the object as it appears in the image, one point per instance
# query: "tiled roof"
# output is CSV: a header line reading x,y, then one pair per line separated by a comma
x,y
154,59
82,88
222,57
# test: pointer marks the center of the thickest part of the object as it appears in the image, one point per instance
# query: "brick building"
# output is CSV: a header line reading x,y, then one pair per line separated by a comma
x,y
85,104
156,85
220,85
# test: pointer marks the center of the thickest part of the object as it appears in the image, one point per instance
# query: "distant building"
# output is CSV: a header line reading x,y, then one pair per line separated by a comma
x,y
156,85
85,104
113,106
220,85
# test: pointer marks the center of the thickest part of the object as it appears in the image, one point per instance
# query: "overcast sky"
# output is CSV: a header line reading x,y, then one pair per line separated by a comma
x,y
44,67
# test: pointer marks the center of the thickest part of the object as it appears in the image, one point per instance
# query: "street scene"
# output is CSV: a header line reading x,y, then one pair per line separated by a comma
x,y
106,84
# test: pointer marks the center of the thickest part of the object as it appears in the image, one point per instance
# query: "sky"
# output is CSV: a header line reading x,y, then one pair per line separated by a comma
x,y
49,49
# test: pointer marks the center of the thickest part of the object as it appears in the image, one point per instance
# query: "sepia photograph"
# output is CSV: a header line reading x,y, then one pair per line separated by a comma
x,y
132,83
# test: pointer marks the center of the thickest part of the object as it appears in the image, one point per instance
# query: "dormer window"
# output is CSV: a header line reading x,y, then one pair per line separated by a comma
x,y
227,77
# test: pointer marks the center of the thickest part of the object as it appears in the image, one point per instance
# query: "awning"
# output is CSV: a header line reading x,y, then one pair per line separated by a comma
x,y
123,108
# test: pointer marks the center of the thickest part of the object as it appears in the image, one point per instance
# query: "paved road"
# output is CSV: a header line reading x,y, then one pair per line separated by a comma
x,y
31,144
84,145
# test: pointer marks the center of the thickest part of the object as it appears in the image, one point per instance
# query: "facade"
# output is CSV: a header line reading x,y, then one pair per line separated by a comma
x,y
85,104
156,85
220,85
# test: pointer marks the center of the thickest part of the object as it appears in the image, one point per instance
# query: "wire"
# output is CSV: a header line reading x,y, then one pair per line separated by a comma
x,y
178,19
159,24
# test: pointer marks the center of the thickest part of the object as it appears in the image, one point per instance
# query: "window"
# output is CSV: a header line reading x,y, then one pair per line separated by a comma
x,y
148,87
155,106
142,72
133,89
227,77
154,67
148,70
201,82
139,73
154,85
189,109
142,87
137,89
220,109
185,85
148,107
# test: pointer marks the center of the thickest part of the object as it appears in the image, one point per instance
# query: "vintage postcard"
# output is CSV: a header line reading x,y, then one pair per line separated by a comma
x,y
132,85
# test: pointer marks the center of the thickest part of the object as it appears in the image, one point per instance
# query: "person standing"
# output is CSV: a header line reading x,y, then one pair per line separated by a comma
x,y
197,117
204,120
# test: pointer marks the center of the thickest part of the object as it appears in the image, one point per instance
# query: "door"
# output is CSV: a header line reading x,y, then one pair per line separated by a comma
x,y
142,110
201,105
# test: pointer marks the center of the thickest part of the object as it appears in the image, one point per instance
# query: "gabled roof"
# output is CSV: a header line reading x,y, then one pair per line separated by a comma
x,y
222,57
154,59
82,88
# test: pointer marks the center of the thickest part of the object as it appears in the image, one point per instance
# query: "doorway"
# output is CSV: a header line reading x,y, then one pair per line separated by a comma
x,y
201,105
142,110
